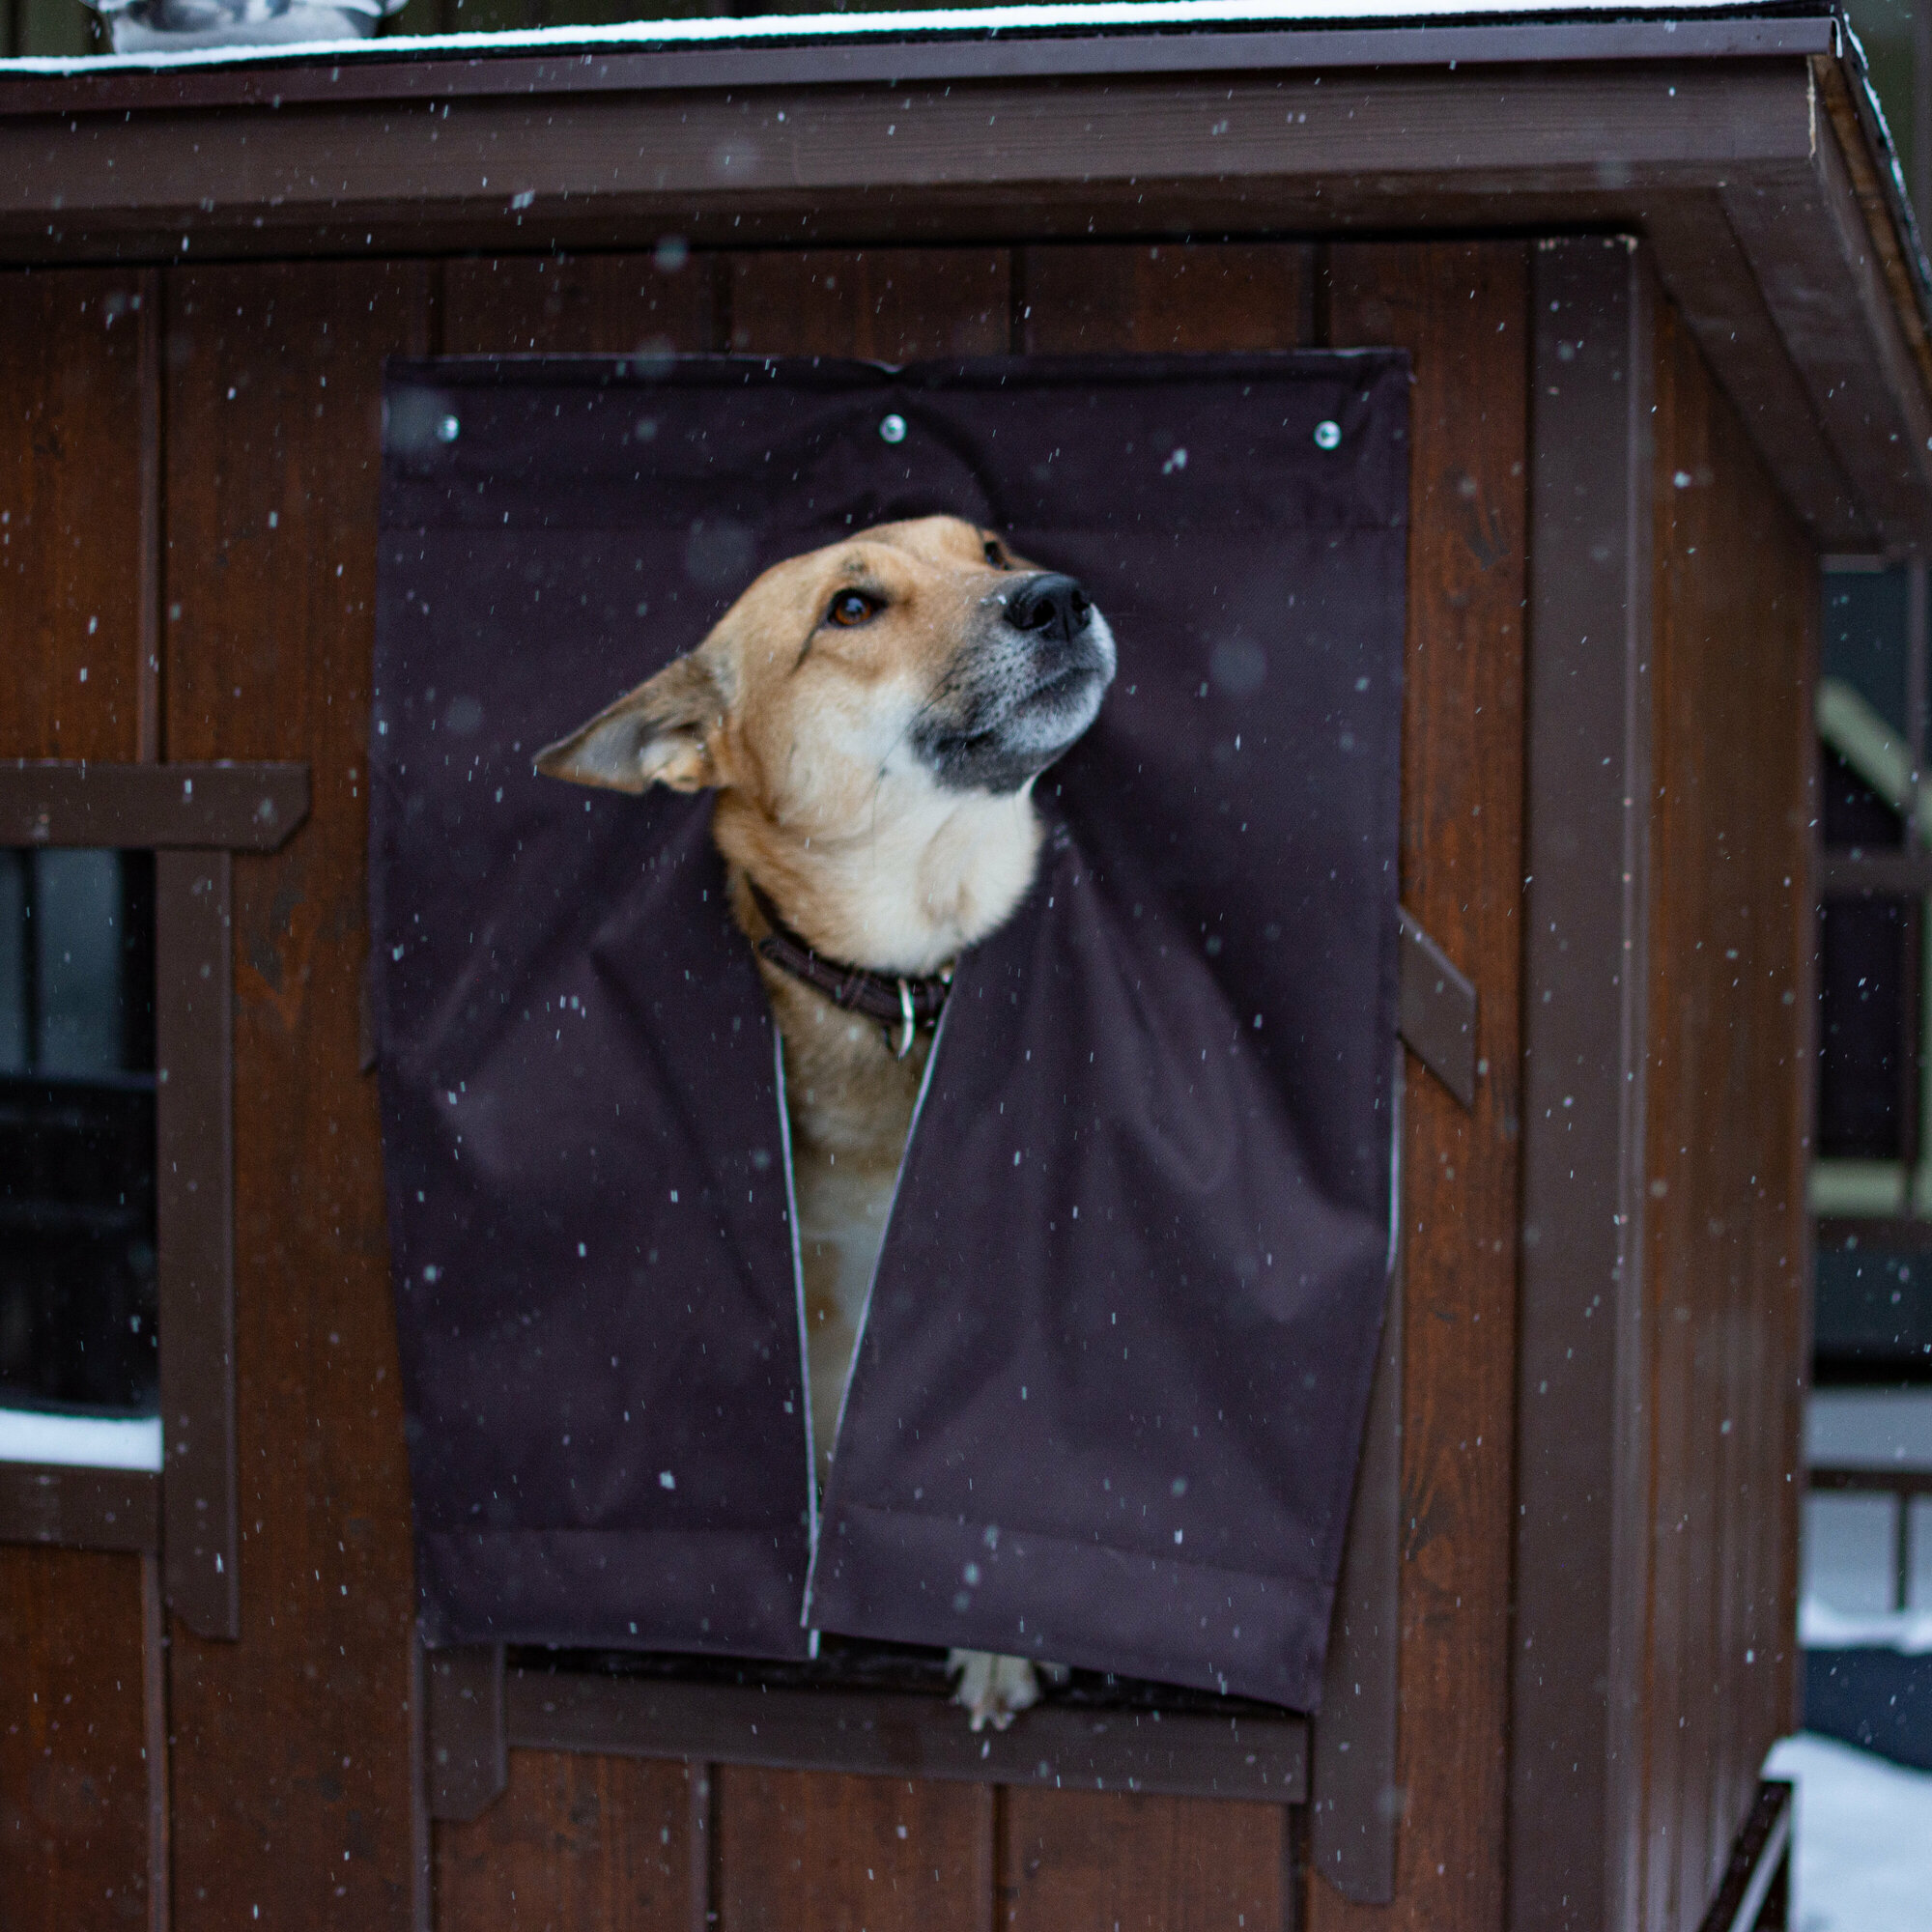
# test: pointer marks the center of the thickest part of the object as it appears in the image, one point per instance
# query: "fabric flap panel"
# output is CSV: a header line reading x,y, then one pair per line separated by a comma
x,y
1110,1387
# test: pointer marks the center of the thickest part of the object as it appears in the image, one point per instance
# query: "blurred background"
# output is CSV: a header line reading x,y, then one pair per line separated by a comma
x,y
1866,1599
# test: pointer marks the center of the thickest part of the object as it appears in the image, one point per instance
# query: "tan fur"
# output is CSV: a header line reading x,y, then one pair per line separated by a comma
x,y
850,1104
803,728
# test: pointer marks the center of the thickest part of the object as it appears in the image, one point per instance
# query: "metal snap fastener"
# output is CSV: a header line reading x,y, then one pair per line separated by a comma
x,y
893,429
1327,434
448,430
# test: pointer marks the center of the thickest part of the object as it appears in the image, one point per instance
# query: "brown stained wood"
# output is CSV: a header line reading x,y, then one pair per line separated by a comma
x,y
155,1746
290,1771
1735,600
1437,1010
186,806
805,1852
467,1758
1076,1862
1460,311
1052,139
578,304
860,1732
73,1785
148,550
194,1236
884,304
1580,1526
1006,155
1171,297
70,496
80,1508
575,1842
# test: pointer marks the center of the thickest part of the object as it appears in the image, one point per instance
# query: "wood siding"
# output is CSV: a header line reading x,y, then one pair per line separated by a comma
x,y
292,1776
251,417
1462,311
1728,1244
76,1661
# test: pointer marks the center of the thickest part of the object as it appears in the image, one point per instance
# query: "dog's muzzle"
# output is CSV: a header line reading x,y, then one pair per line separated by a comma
x,y
1022,691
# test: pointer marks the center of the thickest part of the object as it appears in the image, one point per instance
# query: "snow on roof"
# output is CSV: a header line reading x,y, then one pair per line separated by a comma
x,y
1059,17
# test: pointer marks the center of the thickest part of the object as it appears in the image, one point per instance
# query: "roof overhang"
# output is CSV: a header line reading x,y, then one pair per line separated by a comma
x,y
1744,147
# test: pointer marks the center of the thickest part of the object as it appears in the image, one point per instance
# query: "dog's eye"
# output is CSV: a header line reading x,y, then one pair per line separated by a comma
x,y
996,554
853,606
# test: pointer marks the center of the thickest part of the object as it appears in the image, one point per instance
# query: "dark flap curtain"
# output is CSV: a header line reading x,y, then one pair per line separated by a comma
x,y
1110,1388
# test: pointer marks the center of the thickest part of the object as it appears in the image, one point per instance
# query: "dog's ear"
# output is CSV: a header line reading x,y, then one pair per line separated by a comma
x,y
657,734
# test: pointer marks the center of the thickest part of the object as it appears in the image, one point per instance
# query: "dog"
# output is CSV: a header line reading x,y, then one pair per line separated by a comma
x,y
871,717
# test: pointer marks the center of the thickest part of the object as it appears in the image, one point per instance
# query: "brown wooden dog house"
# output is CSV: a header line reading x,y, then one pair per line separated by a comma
x,y
1665,312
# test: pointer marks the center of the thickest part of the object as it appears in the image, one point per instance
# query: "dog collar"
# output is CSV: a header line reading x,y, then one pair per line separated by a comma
x,y
900,1004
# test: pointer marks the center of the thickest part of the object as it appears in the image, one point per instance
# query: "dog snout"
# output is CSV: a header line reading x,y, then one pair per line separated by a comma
x,y
1051,607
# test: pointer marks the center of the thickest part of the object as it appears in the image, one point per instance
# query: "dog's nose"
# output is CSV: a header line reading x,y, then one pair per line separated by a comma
x,y
1049,606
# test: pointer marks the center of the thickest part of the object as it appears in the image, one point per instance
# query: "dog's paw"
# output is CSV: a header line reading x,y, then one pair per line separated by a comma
x,y
993,1689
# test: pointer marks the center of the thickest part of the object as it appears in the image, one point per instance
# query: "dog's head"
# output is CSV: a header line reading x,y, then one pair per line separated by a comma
x,y
883,697
918,646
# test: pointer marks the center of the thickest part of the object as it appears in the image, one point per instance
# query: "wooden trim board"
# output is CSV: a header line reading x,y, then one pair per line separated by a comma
x,y
80,1508
1783,244
192,815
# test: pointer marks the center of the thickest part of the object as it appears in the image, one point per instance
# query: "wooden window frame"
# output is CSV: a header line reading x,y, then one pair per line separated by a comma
x,y
193,817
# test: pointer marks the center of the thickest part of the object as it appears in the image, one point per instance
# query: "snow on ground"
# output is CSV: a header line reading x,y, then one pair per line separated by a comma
x,y
1865,1838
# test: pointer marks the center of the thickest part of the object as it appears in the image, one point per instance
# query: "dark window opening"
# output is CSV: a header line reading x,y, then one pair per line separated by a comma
x,y
1866,621
1866,1089
1856,817
77,1298
1874,1316
862,1664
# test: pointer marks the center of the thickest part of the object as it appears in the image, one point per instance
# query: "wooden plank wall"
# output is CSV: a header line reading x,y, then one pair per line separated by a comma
x,y
1734,617
292,1779
1462,310
79,1651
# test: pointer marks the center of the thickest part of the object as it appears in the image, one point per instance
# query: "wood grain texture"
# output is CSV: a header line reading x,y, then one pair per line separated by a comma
x,y
1460,311
1735,604
292,1764
578,304
811,1852
1168,298
1079,1862
73,1778
884,304
575,1842
75,1787
1580,1527
155,1746
70,500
